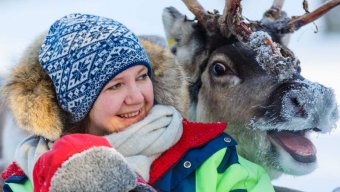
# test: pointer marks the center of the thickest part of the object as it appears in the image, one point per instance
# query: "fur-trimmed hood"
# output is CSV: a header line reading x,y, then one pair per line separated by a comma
x,y
29,93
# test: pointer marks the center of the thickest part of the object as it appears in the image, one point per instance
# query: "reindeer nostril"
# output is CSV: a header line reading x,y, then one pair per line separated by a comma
x,y
295,101
298,107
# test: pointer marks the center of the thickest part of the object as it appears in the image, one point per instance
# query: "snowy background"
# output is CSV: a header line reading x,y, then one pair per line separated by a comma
x,y
21,21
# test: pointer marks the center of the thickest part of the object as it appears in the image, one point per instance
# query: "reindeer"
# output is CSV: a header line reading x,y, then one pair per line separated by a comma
x,y
243,73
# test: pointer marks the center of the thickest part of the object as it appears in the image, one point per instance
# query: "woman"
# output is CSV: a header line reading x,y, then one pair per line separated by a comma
x,y
92,104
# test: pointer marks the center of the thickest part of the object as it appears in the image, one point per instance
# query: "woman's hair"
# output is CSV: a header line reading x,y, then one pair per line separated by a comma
x,y
77,127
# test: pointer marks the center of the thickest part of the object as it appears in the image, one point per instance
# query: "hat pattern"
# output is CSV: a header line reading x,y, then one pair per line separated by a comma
x,y
81,53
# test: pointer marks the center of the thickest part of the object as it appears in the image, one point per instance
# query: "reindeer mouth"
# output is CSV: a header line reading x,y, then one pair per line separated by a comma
x,y
296,144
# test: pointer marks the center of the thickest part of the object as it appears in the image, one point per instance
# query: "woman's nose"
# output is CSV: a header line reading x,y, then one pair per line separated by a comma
x,y
134,95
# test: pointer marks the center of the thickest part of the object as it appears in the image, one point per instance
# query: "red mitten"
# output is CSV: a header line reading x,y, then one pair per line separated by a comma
x,y
82,162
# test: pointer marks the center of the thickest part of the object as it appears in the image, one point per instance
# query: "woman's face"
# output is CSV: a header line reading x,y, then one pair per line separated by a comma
x,y
125,100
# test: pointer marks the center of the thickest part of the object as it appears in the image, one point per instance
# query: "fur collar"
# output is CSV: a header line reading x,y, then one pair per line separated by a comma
x,y
29,92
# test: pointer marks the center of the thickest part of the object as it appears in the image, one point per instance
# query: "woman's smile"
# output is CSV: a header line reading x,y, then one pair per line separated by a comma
x,y
130,118
130,114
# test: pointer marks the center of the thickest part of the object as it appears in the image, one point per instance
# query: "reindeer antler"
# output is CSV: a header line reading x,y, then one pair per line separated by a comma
x,y
206,19
232,22
277,4
280,23
268,53
271,56
196,8
298,22
276,21
275,11
229,24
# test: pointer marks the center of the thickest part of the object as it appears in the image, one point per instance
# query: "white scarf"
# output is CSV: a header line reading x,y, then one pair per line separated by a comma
x,y
143,142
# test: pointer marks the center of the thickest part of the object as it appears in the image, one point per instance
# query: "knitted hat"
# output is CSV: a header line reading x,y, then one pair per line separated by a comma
x,y
82,53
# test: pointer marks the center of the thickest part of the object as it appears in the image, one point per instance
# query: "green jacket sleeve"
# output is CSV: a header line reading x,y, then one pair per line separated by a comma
x,y
243,175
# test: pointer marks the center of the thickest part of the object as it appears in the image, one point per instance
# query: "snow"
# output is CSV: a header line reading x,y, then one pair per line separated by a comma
x,y
21,21
270,58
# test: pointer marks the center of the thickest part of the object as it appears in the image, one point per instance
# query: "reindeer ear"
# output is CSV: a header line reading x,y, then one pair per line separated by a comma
x,y
186,41
169,17
178,29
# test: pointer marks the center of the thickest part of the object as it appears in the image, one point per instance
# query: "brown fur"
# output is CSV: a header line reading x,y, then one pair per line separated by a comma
x,y
170,85
30,95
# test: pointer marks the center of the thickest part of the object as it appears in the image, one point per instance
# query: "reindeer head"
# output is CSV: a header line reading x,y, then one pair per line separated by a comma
x,y
243,73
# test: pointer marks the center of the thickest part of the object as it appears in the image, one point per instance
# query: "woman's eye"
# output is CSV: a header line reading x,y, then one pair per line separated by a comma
x,y
143,76
115,86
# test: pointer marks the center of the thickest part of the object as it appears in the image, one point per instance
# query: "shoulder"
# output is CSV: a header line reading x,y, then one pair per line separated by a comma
x,y
29,150
179,164
199,141
34,142
201,132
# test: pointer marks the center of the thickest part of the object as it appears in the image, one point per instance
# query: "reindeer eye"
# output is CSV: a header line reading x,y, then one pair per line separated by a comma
x,y
218,69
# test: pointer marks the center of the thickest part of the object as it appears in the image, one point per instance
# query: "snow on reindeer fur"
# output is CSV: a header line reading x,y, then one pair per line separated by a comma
x,y
269,56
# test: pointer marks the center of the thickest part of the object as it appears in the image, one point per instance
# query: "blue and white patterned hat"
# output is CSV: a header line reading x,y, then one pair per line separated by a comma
x,y
82,53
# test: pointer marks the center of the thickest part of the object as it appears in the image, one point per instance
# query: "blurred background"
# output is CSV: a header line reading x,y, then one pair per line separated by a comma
x,y
22,20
